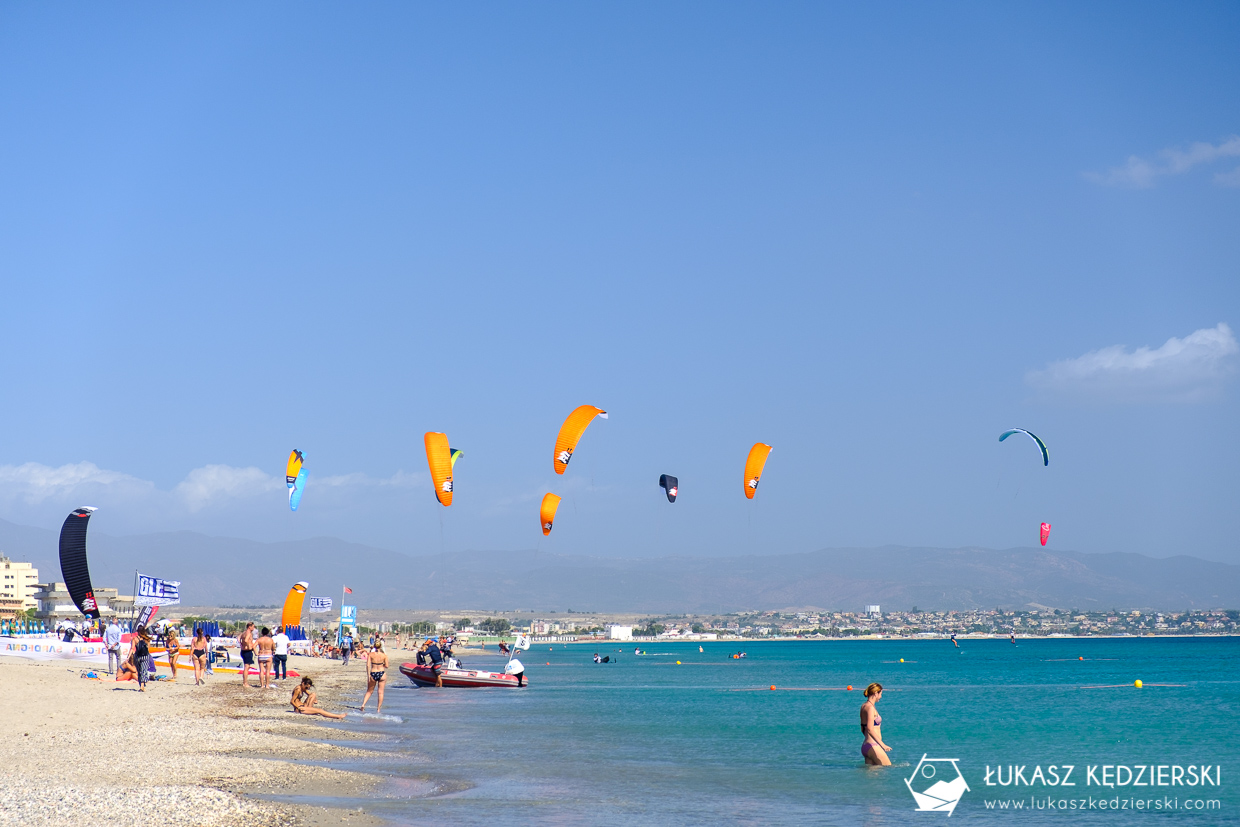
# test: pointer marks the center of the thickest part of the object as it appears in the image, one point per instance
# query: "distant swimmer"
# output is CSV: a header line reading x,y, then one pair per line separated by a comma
x,y
700,649
954,643
1013,638
873,749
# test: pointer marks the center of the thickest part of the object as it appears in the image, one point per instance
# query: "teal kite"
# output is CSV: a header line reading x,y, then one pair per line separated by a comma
x,y
1046,457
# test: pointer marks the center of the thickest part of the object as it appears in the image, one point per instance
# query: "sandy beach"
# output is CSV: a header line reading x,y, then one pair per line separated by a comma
x,y
75,750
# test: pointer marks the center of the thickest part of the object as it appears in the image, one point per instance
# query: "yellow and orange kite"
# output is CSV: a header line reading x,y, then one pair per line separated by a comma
x,y
291,616
546,513
754,465
440,458
570,434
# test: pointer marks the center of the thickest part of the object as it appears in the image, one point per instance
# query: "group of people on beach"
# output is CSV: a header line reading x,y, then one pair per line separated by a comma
x,y
270,651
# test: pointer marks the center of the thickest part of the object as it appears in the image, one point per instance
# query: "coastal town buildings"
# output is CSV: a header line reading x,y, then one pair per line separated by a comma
x,y
53,603
18,583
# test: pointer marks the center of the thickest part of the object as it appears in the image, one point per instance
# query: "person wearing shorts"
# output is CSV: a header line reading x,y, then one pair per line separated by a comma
x,y
246,642
436,658
265,648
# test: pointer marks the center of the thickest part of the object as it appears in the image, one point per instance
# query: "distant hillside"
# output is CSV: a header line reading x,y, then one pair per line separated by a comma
x,y
222,570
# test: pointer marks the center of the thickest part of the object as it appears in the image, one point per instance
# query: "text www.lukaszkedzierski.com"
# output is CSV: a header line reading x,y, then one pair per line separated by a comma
x,y
1090,803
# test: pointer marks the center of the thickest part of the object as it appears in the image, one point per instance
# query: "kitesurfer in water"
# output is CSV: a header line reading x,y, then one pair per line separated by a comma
x,y
872,748
304,700
954,643
376,668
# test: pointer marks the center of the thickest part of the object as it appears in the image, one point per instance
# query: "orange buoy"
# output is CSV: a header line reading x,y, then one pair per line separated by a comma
x,y
850,687
772,687
1081,658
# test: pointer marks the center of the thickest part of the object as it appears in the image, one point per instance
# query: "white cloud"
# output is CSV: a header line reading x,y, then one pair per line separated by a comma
x,y
35,483
1182,370
34,493
1228,179
213,483
1141,173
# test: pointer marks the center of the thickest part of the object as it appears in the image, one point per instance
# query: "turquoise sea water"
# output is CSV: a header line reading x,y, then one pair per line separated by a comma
x,y
650,742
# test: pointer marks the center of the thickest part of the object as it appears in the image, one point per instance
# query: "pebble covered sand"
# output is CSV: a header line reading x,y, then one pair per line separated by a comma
x,y
81,751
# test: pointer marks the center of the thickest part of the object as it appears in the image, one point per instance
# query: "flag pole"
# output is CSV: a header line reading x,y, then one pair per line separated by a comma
x,y
133,608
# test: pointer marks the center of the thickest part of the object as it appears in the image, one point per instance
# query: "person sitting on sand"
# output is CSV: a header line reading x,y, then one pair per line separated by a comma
x,y
376,668
304,700
873,749
127,671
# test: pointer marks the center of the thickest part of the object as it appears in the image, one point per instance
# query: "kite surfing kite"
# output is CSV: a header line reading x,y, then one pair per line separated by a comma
x,y
440,458
546,513
570,434
291,615
73,561
456,454
753,467
1045,532
1046,457
295,476
670,486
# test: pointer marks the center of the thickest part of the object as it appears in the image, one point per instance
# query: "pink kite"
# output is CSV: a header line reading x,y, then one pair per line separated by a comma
x,y
1046,532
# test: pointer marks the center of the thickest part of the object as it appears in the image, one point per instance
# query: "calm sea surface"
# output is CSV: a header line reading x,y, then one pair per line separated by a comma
x,y
647,741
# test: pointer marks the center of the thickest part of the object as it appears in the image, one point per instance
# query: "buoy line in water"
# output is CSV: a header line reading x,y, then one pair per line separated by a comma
x,y
1133,685
794,689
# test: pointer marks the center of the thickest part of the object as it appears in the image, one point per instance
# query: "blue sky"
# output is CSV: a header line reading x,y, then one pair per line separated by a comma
x,y
873,238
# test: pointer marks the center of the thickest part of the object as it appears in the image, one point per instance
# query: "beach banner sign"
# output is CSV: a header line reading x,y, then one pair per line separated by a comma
x,y
155,592
348,614
144,616
52,649
318,605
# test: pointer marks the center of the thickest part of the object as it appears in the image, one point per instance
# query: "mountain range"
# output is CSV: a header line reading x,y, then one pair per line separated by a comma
x,y
217,571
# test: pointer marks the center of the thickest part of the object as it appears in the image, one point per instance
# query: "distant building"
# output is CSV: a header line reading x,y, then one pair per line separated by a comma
x,y
53,603
615,632
873,610
18,581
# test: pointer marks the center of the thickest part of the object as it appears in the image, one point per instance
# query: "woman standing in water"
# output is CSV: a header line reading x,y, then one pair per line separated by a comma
x,y
376,665
872,748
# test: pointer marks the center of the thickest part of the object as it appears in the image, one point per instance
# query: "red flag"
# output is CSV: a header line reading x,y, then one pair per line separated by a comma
x,y
347,590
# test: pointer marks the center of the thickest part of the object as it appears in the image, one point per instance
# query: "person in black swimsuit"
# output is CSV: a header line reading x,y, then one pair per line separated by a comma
x,y
376,666
198,654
